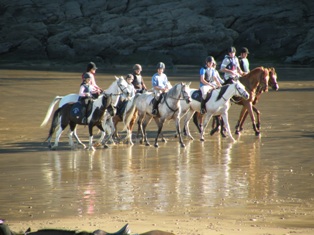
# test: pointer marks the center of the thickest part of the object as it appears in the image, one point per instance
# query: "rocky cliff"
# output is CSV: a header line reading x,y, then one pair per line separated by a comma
x,y
146,31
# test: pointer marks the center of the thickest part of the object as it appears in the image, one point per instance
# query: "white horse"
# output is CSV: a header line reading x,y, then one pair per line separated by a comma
x,y
65,116
218,104
118,87
169,108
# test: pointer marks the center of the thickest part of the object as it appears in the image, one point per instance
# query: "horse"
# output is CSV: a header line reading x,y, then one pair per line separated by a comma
x,y
218,103
68,115
272,82
256,82
169,108
118,87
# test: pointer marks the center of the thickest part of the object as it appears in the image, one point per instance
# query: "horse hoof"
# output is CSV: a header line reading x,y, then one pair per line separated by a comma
x,y
164,140
147,144
182,145
257,133
106,146
175,136
213,131
156,145
237,132
202,139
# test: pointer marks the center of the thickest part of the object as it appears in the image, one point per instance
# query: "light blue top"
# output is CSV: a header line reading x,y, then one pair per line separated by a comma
x,y
160,80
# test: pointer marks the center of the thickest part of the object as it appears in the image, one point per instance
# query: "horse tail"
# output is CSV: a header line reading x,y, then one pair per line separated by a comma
x,y
50,109
129,111
54,123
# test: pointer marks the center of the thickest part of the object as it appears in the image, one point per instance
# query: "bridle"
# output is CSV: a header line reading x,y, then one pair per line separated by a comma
x,y
122,89
183,94
242,93
273,78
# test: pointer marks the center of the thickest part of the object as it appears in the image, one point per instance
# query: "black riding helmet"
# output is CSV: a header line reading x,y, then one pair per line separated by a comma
x,y
209,59
91,65
161,65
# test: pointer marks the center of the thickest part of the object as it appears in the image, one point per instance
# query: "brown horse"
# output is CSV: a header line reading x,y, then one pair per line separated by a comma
x,y
256,82
272,82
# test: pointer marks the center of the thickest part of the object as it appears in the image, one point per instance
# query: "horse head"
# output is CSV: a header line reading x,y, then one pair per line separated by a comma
x,y
273,79
123,86
185,92
241,91
263,81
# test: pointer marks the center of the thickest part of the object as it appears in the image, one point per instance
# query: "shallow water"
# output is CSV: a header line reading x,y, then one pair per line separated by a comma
x,y
200,180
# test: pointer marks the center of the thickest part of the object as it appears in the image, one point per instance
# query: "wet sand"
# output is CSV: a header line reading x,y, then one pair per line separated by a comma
x,y
259,185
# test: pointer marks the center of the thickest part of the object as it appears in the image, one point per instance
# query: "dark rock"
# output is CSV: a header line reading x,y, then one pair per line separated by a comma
x,y
146,31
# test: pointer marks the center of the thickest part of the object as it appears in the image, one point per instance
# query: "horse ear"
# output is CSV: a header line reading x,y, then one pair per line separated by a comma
x,y
188,84
116,77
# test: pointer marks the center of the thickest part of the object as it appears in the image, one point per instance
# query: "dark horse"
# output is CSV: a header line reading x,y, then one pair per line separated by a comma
x,y
65,113
5,230
256,82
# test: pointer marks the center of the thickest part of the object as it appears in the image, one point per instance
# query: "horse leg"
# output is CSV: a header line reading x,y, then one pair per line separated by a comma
x,y
186,122
163,139
222,128
243,120
242,113
198,121
178,130
207,118
116,119
73,132
225,118
144,133
58,134
215,125
160,125
250,111
90,130
258,116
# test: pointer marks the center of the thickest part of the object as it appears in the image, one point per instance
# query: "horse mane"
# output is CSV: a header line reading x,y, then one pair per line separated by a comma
x,y
173,89
222,91
246,79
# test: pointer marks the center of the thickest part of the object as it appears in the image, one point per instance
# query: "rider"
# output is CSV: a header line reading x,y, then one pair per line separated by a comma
x,y
85,95
160,86
91,70
123,99
138,81
208,80
243,60
231,67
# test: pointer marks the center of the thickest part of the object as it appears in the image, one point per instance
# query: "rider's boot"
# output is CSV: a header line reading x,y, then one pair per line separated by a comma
x,y
155,106
203,104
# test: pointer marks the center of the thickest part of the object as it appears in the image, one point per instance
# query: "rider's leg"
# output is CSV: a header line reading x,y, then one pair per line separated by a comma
x,y
156,101
204,90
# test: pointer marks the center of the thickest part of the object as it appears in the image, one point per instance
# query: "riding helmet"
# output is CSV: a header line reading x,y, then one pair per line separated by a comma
x,y
232,50
86,76
91,65
209,59
137,67
161,65
245,50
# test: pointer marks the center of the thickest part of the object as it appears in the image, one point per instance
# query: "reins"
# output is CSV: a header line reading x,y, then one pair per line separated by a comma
x,y
167,95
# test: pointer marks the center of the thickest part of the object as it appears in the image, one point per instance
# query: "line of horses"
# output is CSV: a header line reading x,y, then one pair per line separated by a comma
x,y
180,103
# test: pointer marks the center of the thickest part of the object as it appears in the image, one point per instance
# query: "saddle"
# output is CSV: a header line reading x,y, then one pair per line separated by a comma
x,y
197,95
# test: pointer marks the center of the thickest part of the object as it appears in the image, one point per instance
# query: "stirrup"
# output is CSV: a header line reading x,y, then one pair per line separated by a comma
x,y
203,111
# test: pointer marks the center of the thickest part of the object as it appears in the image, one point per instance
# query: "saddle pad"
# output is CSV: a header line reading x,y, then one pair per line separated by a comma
x,y
77,110
197,95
